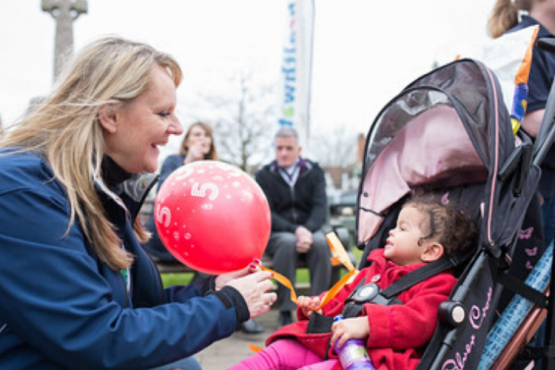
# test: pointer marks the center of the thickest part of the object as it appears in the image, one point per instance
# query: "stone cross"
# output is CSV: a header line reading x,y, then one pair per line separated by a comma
x,y
64,12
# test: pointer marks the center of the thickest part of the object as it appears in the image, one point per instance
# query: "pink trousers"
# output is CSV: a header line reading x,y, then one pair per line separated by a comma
x,y
285,354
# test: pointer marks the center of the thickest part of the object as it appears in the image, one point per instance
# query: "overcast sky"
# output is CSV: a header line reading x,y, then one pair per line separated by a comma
x,y
365,51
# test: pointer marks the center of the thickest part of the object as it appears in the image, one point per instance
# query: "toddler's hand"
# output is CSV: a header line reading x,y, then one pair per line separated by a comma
x,y
308,305
356,327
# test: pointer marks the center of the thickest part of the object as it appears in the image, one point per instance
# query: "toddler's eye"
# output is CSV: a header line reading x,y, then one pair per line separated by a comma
x,y
164,114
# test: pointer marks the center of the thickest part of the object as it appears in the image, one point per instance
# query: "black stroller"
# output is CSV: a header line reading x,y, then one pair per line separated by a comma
x,y
449,133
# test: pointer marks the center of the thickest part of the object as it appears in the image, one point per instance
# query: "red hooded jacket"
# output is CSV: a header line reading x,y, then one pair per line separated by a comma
x,y
398,333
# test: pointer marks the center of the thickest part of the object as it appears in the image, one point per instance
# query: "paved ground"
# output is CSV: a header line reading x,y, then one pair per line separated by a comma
x,y
227,352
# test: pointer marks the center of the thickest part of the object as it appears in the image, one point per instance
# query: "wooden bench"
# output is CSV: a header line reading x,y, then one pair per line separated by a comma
x,y
175,267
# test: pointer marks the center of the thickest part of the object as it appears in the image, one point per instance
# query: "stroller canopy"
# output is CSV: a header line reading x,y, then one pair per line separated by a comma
x,y
447,128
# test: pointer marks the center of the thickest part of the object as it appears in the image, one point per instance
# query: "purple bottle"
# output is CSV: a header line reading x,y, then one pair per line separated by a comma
x,y
353,355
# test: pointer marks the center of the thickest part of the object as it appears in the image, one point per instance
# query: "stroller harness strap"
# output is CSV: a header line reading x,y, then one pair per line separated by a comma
x,y
519,287
371,293
363,294
417,276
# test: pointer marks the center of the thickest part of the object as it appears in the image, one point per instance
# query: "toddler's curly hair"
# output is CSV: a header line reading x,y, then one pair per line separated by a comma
x,y
446,224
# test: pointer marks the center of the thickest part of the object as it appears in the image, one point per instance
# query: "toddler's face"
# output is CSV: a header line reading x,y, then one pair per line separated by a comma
x,y
402,245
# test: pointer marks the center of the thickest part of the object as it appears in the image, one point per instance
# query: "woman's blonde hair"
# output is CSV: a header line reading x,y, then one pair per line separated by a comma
x,y
505,15
64,129
212,154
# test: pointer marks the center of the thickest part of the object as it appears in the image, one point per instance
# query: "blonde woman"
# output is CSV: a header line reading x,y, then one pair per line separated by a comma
x,y
78,291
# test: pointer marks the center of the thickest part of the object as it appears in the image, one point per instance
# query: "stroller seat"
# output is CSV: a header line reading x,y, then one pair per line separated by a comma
x,y
450,134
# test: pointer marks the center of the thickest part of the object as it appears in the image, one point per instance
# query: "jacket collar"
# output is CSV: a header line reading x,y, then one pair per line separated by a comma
x,y
377,257
127,190
527,21
304,166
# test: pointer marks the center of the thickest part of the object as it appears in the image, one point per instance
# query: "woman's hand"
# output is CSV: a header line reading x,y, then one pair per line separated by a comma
x,y
353,328
223,279
256,290
196,152
308,305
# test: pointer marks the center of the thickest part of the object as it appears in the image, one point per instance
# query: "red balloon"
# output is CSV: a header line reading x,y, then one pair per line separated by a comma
x,y
212,217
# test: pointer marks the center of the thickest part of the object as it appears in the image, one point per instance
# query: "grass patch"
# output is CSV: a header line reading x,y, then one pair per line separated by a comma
x,y
176,279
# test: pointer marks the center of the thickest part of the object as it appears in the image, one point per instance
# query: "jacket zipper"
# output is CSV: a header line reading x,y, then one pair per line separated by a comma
x,y
125,289
292,188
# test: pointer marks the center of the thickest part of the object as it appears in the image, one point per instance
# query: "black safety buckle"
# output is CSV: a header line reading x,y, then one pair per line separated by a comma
x,y
364,294
369,293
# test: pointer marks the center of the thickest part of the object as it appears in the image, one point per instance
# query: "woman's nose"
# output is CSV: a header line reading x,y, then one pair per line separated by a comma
x,y
175,127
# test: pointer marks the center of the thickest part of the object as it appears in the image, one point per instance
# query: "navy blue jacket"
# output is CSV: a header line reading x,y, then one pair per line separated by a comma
x,y
540,80
62,308
304,204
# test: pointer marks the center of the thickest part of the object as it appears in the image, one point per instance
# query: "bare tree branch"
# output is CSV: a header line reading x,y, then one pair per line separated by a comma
x,y
246,122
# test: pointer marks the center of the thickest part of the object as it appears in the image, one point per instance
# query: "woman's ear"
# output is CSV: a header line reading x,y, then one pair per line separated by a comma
x,y
432,252
107,116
